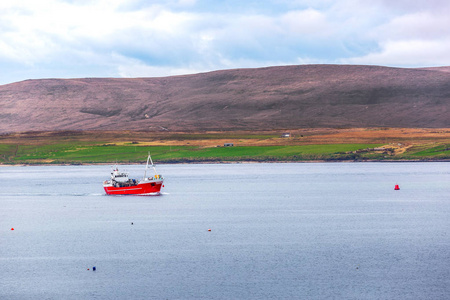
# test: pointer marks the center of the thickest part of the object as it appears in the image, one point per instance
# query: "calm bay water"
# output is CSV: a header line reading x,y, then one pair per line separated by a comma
x,y
278,231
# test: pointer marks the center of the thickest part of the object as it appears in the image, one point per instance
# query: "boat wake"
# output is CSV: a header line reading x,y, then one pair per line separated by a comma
x,y
49,194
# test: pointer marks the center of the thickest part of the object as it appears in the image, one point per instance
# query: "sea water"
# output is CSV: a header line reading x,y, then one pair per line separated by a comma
x,y
228,231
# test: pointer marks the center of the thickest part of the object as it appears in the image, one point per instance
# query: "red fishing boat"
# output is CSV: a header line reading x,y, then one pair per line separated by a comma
x,y
121,184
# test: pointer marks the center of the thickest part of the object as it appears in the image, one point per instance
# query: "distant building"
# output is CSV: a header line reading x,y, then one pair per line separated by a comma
x,y
286,135
228,145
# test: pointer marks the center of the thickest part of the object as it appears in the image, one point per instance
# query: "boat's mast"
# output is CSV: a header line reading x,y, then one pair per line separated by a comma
x,y
146,166
154,169
149,158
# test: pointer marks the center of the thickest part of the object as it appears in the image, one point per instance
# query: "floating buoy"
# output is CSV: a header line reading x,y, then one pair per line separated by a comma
x,y
396,187
88,269
12,228
209,229
131,223
94,268
163,185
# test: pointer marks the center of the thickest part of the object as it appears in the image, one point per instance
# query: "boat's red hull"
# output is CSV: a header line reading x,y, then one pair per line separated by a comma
x,y
147,188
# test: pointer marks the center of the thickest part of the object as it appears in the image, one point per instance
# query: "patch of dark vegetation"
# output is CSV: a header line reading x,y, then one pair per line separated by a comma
x,y
221,78
67,133
101,112
138,113
297,92
149,115
56,89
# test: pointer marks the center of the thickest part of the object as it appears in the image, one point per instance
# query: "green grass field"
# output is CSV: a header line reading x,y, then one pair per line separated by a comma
x,y
81,148
107,153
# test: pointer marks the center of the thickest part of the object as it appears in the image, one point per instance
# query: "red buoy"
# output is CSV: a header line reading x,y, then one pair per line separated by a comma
x,y
396,187
12,228
209,229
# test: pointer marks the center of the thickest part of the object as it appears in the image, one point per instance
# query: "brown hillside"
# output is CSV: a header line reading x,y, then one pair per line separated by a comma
x,y
249,99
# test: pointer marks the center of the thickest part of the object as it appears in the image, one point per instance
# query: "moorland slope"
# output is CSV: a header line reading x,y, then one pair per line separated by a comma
x,y
272,98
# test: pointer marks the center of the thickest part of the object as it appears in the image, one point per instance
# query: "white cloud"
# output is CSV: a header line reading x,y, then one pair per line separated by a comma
x,y
414,53
187,2
423,25
36,35
414,38
307,22
406,6
134,38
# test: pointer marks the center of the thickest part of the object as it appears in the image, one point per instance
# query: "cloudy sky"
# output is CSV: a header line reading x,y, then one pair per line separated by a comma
x,y
137,38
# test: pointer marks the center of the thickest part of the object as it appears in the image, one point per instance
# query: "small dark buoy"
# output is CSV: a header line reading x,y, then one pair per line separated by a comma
x,y
396,187
131,223
94,268
88,269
